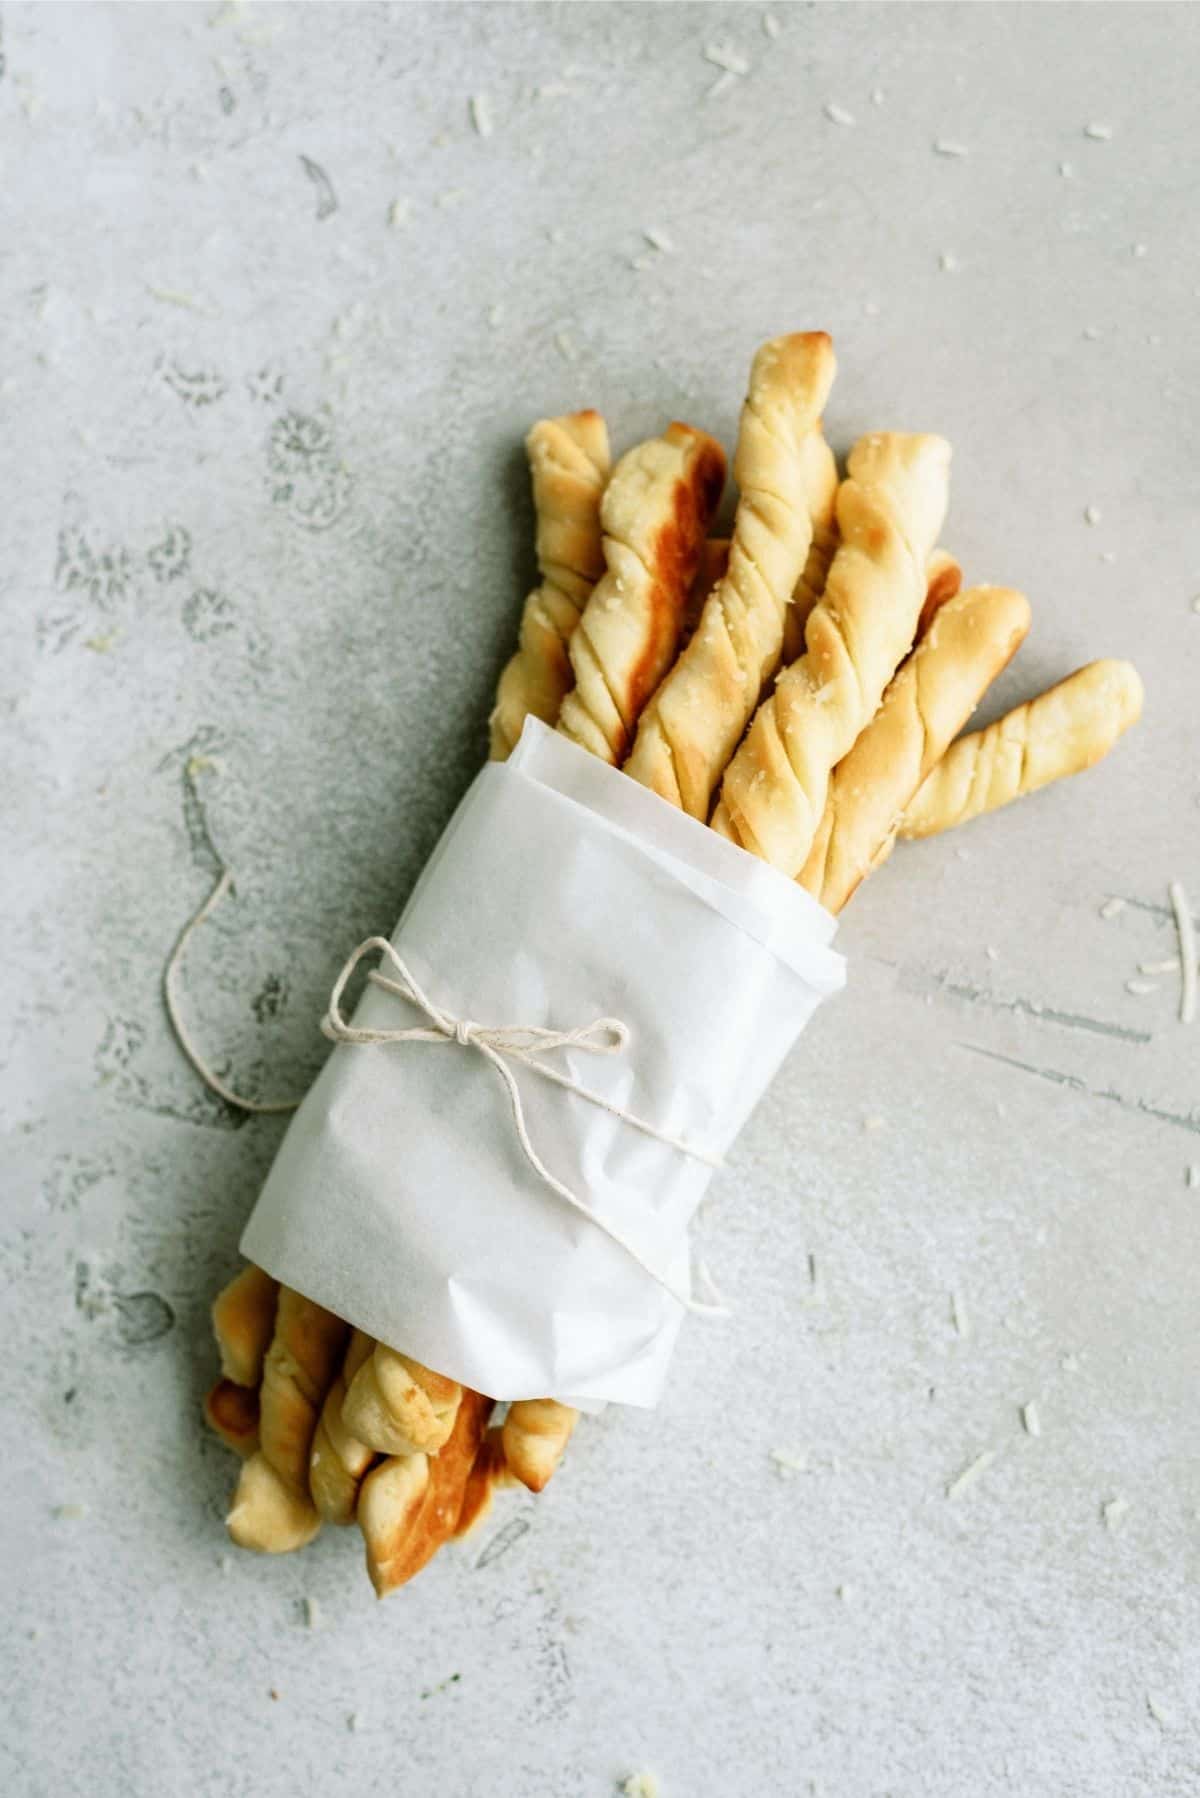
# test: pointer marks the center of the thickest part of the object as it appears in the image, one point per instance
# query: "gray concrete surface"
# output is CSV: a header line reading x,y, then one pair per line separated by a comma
x,y
263,536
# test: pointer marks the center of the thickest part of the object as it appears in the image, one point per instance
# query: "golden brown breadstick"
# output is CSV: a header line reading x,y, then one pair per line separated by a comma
x,y
655,513
819,481
569,460
536,1431
691,725
272,1509
970,639
1061,732
943,579
337,1460
411,1504
890,511
398,1406
243,1316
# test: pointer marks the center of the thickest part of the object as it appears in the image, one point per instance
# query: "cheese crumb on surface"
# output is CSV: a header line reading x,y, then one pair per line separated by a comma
x,y
1141,987
399,213
658,240
1187,951
724,56
788,1461
354,1720
1114,1512
959,1314
565,346
872,1123
1099,134
1070,1363
770,24
944,146
1169,966
641,1785
312,1614
1031,1418
1162,1715
452,196
70,1513
1065,168
992,953
1196,603
967,1478
495,314
948,262
721,85
1091,514
845,1593
1192,1174
1092,333
1141,249
1111,908
877,96
481,114
838,114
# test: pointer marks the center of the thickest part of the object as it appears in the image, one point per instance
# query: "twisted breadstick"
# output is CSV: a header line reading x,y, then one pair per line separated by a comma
x,y
272,1510
231,1412
970,639
569,461
690,727
655,513
819,484
1062,731
338,1460
243,1317
889,514
410,1505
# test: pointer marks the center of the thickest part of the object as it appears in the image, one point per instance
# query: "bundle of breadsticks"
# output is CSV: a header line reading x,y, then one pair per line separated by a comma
x,y
800,688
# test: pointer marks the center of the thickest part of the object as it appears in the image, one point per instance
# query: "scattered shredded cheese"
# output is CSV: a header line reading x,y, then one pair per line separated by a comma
x,y
1196,603
877,96
1114,1511
845,1593
944,146
1192,1175
948,262
1159,1711
958,1311
1031,1418
1187,951
354,1720
788,1461
173,296
721,85
1111,907
565,346
1169,966
872,1123
837,115
871,308
495,315
70,1513
658,240
1141,987
1099,134
724,56
481,114
552,90
1141,249
641,1785
452,196
967,1478
1066,169
992,953
1091,515
1092,333
399,213
1108,555
770,25
312,1615
1070,1363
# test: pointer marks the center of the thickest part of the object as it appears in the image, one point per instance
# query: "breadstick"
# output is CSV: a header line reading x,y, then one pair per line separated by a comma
x,y
337,1460
890,511
569,461
714,563
971,638
819,482
410,1505
655,514
943,579
398,1406
536,1431
243,1316
272,1510
1062,731
690,727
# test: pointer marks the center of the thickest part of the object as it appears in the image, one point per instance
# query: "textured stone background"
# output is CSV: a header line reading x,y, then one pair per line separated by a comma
x,y
263,537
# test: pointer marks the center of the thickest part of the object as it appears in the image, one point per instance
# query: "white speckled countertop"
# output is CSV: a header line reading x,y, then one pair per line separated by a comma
x,y
276,318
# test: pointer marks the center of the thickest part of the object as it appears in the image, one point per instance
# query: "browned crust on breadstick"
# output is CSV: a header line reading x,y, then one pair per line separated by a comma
x,y
410,1505
569,461
398,1405
655,514
536,1432
338,1460
971,638
1064,730
231,1411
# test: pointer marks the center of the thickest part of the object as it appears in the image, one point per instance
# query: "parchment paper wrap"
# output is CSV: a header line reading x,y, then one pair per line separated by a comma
x,y
561,891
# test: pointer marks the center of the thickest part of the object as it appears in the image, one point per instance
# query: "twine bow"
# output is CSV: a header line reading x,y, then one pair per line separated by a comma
x,y
525,1044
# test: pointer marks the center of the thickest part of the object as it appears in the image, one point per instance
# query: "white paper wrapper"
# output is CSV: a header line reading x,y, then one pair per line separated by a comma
x,y
560,892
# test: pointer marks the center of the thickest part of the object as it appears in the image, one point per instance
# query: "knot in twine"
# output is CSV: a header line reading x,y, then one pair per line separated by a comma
x,y
524,1044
